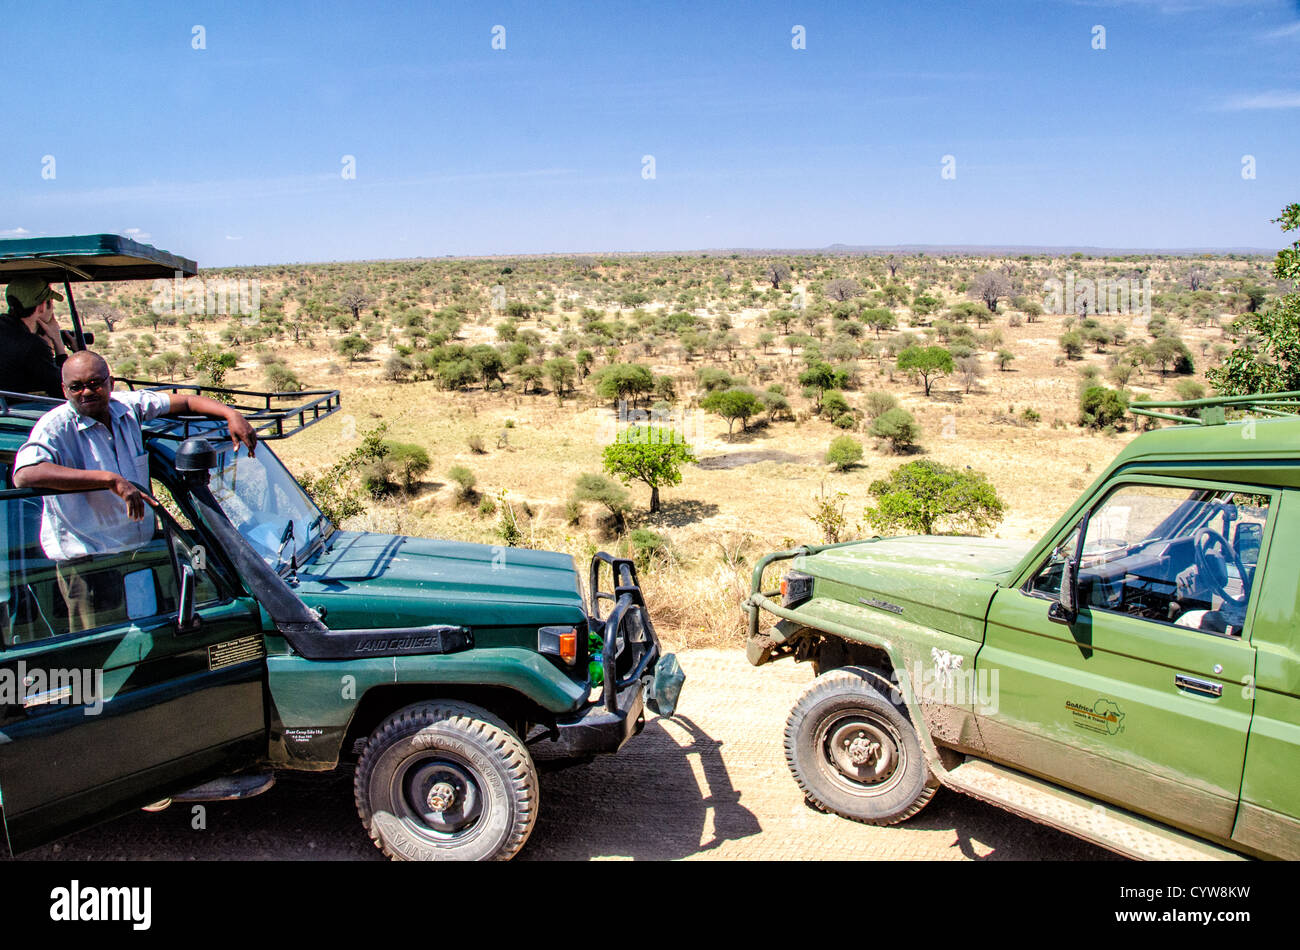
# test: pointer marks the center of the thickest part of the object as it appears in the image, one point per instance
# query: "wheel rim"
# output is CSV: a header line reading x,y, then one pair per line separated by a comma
x,y
440,797
861,753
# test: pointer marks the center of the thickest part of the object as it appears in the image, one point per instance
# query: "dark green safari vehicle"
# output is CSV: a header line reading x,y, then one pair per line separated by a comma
x,y
250,634
1133,677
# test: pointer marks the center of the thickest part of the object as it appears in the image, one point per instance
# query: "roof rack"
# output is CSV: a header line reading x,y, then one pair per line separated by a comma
x,y
269,420
1214,411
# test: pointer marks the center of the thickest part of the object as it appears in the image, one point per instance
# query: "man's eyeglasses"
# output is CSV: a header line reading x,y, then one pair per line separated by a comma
x,y
95,382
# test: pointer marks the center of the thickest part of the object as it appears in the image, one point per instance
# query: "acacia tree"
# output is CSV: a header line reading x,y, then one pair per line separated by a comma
x,y
929,363
732,404
649,454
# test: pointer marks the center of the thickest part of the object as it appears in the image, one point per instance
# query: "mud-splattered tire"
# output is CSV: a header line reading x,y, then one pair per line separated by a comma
x,y
446,781
854,753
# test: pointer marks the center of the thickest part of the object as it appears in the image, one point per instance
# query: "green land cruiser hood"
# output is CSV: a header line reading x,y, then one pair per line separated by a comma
x,y
383,580
941,582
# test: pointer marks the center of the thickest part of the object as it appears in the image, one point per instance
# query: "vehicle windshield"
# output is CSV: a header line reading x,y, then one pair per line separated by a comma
x,y
266,505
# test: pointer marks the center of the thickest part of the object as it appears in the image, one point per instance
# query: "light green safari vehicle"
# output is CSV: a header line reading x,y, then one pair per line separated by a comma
x,y
1133,677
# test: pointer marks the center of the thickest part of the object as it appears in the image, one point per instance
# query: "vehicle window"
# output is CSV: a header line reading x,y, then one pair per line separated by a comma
x,y
1183,556
41,598
187,549
266,505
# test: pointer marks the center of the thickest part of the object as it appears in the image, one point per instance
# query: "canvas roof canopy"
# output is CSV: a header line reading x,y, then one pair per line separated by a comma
x,y
88,257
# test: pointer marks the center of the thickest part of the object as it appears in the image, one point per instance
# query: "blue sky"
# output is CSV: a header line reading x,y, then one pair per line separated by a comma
x,y
234,154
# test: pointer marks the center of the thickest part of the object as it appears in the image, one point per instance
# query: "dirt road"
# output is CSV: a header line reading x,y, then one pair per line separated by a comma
x,y
710,783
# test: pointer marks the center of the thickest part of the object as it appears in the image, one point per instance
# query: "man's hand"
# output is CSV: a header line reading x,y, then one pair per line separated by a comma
x,y
236,424
48,325
133,497
241,431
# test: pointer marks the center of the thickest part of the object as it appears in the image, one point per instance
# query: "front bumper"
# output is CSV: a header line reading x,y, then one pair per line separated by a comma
x,y
635,670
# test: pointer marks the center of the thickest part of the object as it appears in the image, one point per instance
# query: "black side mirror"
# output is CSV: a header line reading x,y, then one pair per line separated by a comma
x,y
186,619
1246,539
1066,609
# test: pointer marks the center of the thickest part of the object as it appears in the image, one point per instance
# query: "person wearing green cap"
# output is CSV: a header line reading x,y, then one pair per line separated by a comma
x,y
31,345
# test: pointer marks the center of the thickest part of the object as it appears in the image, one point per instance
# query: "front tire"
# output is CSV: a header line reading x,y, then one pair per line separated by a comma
x,y
854,753
446,781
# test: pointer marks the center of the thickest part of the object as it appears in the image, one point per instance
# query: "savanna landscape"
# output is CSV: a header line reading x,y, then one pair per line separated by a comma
x,y
480,394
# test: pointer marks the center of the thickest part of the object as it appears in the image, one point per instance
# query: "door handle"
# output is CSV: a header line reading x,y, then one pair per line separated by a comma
x,y
1194,685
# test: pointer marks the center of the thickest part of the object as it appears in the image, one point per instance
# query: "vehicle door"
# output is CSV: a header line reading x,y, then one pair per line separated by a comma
x,y
107,700
1145,699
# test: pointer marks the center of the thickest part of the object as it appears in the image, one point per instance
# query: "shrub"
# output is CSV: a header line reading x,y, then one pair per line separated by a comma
x,y
898,428
845,420
280,379
1100,407
465,479
646,546
592,487
409,461
844,452
834,404
876,404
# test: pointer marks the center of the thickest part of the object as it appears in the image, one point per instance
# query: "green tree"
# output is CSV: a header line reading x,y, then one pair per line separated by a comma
x,y
598,488
649,454
561,371
929,363
897,427
1072,344
352,347
1100,407
624,381
844,452
922,495
878,318
732,404
1267,358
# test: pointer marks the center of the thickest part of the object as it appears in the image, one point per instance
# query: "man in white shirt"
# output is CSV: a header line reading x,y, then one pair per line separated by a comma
x,y
95,441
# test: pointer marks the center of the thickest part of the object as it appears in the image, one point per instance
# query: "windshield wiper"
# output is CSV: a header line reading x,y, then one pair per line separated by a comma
x,y
285,538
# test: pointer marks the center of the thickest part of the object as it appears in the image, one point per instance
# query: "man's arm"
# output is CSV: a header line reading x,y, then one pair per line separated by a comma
x,y
49,475
236,424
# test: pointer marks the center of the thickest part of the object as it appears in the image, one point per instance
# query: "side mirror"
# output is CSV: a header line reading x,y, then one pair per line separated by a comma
x,y
186,619
1246,539
1066,609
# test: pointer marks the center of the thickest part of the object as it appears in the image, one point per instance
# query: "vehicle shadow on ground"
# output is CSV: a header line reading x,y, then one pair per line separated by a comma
x,y
304,816
985,832
666,795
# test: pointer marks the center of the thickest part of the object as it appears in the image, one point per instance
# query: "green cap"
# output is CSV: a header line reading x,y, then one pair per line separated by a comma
x,y
31,292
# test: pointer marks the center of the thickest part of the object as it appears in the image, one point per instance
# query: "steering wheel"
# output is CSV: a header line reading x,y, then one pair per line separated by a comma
x,y
1212,568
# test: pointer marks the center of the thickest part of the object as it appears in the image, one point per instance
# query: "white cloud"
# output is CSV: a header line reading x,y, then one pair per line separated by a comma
x,y
136,234
1283,31
15,233
232,237
1277,99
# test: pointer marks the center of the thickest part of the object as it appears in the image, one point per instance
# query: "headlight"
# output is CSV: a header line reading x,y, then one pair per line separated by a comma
x,y
795,589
